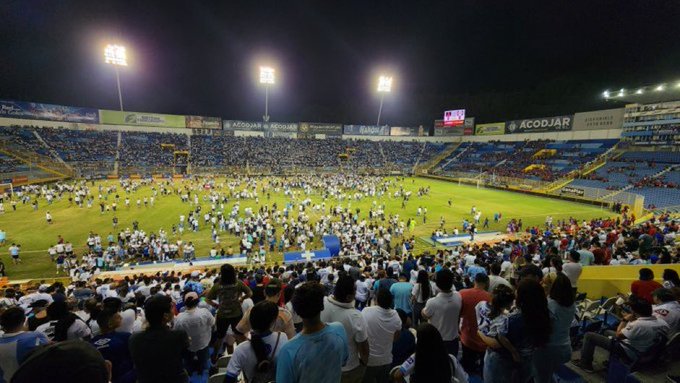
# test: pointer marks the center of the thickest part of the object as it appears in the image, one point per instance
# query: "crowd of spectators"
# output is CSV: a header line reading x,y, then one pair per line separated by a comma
x,y
490,310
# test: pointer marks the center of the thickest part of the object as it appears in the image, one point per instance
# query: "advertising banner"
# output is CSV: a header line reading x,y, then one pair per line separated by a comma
x,y
537,125
468,131
114,117
281,126
441,130
599,119
37,111
242,125
403,131
283,134
200,122
492,129
366,130
572,190
311,129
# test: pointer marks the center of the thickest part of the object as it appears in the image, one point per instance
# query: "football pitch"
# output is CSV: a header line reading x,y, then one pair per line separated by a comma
x,y
30,229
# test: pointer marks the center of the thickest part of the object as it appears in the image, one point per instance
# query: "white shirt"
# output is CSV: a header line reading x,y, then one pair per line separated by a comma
x,y
353,322
573,271
244,358
444,313
641,333
382,324
197,323
669,312
78,330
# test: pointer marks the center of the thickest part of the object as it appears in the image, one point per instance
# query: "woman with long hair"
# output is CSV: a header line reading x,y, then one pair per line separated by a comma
x,y
558,349
509,356
257,357
230,292
422,291
429,362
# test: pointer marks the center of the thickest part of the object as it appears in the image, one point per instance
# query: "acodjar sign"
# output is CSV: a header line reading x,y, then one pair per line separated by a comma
x,y
544,124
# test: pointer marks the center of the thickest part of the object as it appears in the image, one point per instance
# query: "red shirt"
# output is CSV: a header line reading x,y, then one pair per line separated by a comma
x,y
644,289
468,326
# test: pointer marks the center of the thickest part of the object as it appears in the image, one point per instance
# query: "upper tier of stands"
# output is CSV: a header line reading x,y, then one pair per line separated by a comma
x,y
550,159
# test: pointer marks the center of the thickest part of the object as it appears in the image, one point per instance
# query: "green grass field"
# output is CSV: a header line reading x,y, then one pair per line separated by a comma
x,y
29,228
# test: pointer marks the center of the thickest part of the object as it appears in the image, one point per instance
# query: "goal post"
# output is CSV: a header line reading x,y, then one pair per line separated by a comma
x,y
7,188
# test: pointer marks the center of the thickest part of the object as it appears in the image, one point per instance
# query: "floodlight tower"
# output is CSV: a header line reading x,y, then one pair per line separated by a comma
x,y
384,86
267,78
116,56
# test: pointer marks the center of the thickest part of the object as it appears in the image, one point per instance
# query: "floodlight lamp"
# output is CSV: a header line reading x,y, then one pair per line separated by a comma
x,y
605,94
621,93
385,84
660,88
115,55
266,75
677,85
639,91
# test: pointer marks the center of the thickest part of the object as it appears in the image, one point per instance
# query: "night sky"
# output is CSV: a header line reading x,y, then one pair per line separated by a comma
x,y
498,59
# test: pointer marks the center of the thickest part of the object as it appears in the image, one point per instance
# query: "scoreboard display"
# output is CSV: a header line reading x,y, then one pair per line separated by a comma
x,y
454,117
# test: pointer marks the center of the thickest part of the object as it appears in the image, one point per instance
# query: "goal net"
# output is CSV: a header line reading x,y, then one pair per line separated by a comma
x,y
7,188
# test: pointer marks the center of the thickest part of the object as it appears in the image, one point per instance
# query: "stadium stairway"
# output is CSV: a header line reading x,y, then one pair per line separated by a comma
x,y
429,165
51,150
628,187
420,155
41,162
116,163
611,154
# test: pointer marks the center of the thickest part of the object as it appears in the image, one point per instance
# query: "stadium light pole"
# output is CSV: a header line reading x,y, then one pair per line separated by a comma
x,y
116,56
384,86
267,78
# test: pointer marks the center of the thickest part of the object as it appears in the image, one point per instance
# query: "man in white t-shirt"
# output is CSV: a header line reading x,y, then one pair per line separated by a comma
x,y
198,323
384,326
637,332
667,308
58,311
443,310
340,308
573,268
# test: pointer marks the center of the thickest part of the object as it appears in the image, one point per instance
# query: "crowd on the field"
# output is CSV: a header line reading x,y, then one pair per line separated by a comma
x,y
491,310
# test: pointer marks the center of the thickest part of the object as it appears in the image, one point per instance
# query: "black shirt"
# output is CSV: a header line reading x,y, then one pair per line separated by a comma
x,y
157,355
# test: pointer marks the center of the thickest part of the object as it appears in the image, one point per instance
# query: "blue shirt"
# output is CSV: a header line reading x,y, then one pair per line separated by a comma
x,y
402,296
13,350
474,270
317,357
114,348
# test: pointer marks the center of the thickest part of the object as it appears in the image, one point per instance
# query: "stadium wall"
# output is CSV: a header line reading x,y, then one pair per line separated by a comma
x,y
559,136
81,126
403,138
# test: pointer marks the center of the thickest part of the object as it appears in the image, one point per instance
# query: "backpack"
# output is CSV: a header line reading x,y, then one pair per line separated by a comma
x,y
230,305
265,371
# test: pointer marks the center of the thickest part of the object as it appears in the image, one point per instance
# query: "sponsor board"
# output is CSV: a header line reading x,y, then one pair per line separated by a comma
x,y
242,125
572,190
114,117
404,131
311,129
366,130
468,131
441,130
537,125
200,122
599,119
283,134
281,126
38,111
492,129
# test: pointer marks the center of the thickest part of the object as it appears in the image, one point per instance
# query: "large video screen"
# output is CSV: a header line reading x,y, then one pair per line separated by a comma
x,y
454,117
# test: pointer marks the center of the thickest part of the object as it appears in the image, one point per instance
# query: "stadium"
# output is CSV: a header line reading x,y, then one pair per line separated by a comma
x,y
121,229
